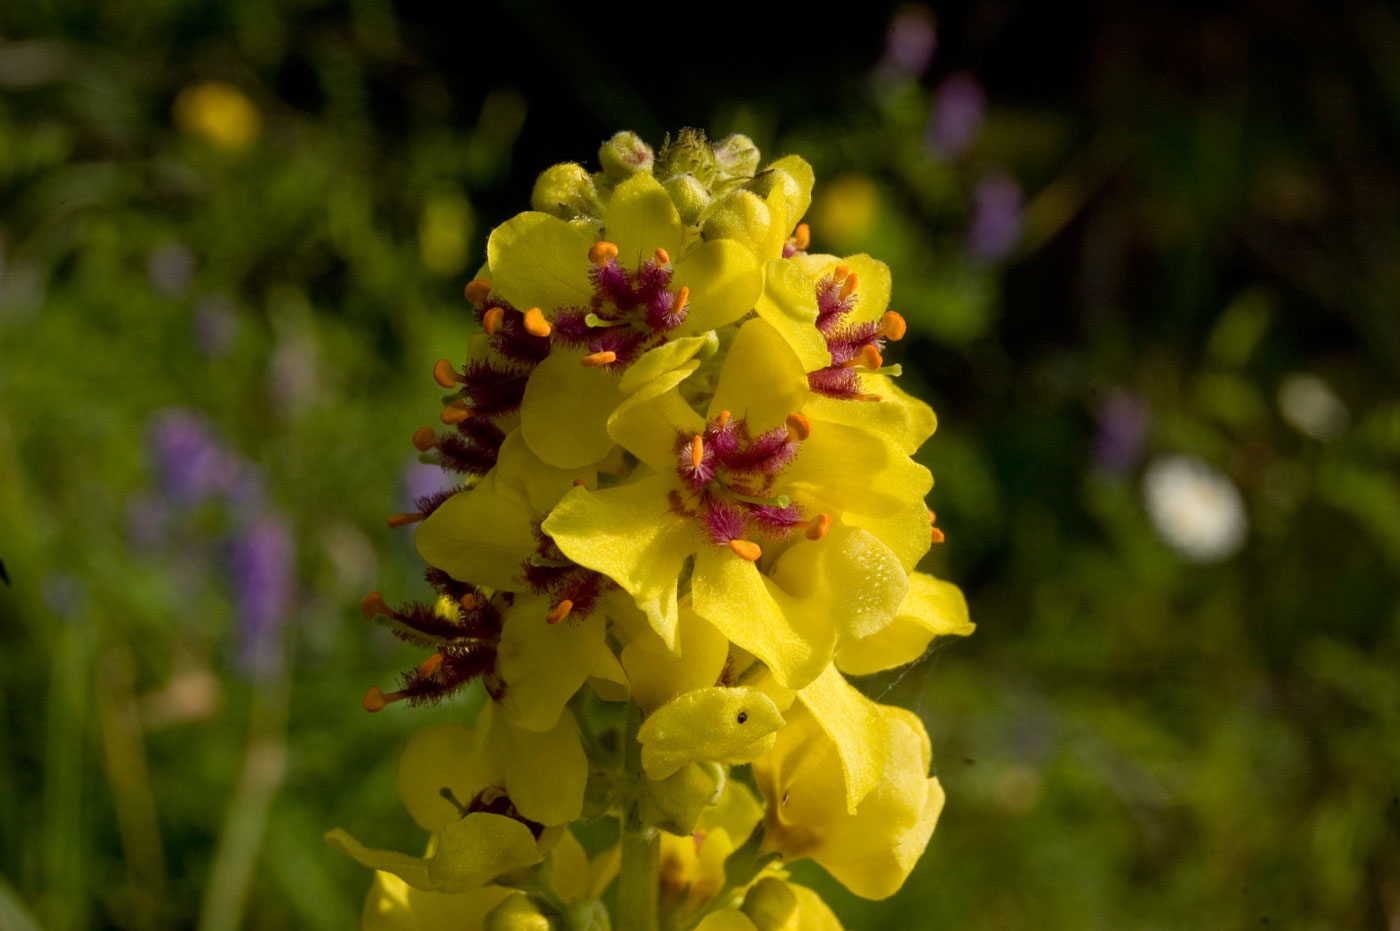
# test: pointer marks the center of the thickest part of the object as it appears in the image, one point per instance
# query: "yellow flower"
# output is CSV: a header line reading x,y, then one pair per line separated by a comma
x,y
932,608
837,745
753,466
604,304
220,114
773,904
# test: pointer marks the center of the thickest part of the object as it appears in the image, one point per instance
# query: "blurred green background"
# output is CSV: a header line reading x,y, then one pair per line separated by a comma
x,y
1149,258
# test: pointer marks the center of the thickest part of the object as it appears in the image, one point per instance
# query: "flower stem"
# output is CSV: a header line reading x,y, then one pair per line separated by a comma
x,y
641,845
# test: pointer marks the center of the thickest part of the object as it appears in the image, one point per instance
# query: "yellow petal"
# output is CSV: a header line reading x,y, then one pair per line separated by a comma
x,y
657,674
629,534
848,579
726,920
856,726
789,305
850,469
724,725
724,278
394,905
568,868
903,418
932,608
537,260
737,813
649,423
481,535
812,913
608,680
437,757
470,853
665,358
542,665
544,773
641,219
800,193
762,379
565,410
538,482
905,531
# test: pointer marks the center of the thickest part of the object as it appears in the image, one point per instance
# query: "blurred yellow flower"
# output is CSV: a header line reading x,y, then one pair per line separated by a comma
x,y
218,113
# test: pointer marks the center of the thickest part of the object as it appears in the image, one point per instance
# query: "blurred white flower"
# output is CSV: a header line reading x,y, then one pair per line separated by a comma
x,y
1311,406
1194,508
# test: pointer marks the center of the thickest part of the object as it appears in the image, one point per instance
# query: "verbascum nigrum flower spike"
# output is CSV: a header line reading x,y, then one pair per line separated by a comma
x,y
679,508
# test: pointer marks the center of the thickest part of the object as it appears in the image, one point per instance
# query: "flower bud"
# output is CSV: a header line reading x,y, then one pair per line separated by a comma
x,y
566,191
771,905
737,156
688,153
675,803
690,197
624,155
741,215
765,182
517,913
588,915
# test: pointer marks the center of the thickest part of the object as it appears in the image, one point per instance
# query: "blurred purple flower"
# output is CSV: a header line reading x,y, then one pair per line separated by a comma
x,y
996,218
261,568
170,269
215,325
912,39
421,480
193,464
1123,423
956,116
147,517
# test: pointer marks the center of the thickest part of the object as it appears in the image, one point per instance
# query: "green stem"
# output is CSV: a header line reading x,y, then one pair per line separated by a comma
x,y
641,845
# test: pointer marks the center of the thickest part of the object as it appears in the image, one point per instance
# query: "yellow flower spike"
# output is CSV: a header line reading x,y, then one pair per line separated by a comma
x,y
725,725
933,608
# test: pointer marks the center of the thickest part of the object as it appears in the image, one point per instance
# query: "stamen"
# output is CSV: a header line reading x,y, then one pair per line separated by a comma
x,y
468,602
478,289
602,252
373,605
746,549
697,452
802,237
559,611
403,520
580,483
662,258
424,439
819,526
375,700
536,324
430,665
493,320
456,412
839,273
869,357
892,326
798,427
723,419
600,358
849,285
678,307
444,374
937,535
594,320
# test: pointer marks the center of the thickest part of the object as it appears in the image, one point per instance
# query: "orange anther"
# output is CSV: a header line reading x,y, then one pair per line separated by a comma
x,y
430,665
662,258
456,412
493,320
679,303
375,699
869,357
840,272
798,427
802,236
580,483
444,374
468,602
849,285
559,611
723,418
424,439
932,517
892,326
372,605
746,549
697,452
536,324
819,526
403,520
477,290
602,252
937,535
600,358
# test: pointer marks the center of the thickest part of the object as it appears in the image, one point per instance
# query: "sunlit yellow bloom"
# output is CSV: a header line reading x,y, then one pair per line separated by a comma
x,y
879,756
932,608
692,867
219,113
723,725
774,904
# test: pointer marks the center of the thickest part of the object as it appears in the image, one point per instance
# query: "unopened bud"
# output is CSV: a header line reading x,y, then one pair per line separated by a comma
x,y
741,215
765,182
623,156
566,191
770,904
737,156
588,915
690,197
517,913
675,803
688,153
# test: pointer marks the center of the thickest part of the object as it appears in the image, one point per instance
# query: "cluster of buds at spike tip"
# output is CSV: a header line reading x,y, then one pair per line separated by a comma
x,y
731,477
573,590
854,347
630,312
462,629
